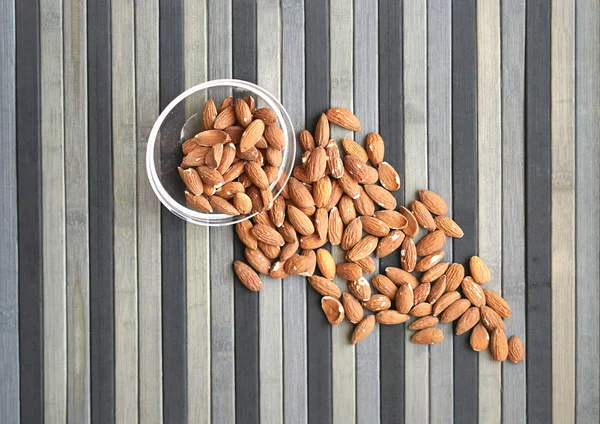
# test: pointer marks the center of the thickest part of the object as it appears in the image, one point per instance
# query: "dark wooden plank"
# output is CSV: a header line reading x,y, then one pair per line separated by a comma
x,y
101,223
173,231
391,129
464,172
30,209
317,101
247,389
538,210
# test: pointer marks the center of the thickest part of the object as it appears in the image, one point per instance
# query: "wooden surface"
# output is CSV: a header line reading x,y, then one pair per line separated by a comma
x,y
114,310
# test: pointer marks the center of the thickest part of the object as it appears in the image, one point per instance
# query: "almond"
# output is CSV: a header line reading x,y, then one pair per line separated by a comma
x,y
225,118
209,113
265,114
448,226
347,209
278,270
433,202
268,235
235,170
344,118
333,310
479,270
389,243
235,133
336,166
428,336
326,263
473,291
243,230
227,101
412,226
315,164
321,223
404,298
306,140
274,157
270,251
209,190
312,241
308,211
491,319
372,175
352,234
435,272
356,168
479,339
253,193
408,255
374,226
395,220
198,202
322,191
263,218
467,321
385,286
422,323
516,352
381,196
335,227
210,176
242,112
348,271
431,243
499,345
277,212
223,206
247,276
250,102
497,303
213,157
427,262
388,176
363,248
354,311
212,137
349,185
351,147
251,155
454,275
360,289
422,215
242,203
363,329
230,189
336,194
192,180
437,290
300,265
322,131
300,194
377,302
390,317
288,250
324,286
288,232
258,260
455,310
399,276
375,148
196,157
188,146
364,205
257,175
301,223
421,309
366,264
443,302
275,137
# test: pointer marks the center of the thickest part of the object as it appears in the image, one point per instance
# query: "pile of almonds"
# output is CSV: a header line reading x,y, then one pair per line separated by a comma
x,y
348,202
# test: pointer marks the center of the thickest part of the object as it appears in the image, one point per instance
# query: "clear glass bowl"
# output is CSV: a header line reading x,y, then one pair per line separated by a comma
x,y
180,121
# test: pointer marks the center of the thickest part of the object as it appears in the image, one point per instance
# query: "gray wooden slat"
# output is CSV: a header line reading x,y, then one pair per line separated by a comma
x,y
489,175
148,217
197,237
563,210
125,213
222,285
53,210
9,297
77,219
341,94
366,95
416,363
439,150
513,198
268,71
295,386
587,149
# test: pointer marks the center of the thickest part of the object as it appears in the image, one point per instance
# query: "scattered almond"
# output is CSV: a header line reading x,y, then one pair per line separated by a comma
x,y
516,352
363,329
422,323
479,270
433,202
354,311
428,336
333,310
390,317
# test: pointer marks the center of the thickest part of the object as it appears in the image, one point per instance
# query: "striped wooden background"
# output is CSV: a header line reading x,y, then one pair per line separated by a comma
x,y
114,310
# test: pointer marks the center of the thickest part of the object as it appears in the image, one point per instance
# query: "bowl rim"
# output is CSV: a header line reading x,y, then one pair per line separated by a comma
x,y
215,219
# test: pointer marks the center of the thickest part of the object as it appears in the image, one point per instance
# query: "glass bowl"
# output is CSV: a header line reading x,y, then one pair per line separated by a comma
x,y
181,120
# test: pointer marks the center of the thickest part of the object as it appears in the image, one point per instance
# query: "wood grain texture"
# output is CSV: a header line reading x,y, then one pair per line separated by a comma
x,y
77,219
587,107
489,175
513,198
416,357
341,94
9,295
295,385
563,210
148,217
197,237
439,161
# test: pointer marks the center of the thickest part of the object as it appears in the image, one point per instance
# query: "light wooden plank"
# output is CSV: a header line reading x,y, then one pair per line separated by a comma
x,y
268,63
148,217
295,401
416,374
125,212
53,223
9,295
341,94
439,126
587,210
513,198
563,210
489,174
197,237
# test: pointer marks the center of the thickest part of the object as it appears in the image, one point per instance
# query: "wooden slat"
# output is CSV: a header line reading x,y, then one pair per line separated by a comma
x,y
9,303
587,105
295,394
439,162
416,368
489,174
148,217
77,220
563,210
341,94
197,237
513,198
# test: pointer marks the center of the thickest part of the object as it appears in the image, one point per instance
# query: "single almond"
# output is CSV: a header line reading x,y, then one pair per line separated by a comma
x,y
499,345
437,290
411,229
431,243
389,243
243,230
448,226
230,189
272,173
356,168
250,102
354,311
367,264
408,255
334,161
423,322
278,270
225,118
377,302
324,286
374,226
388,176
288,232
435,272
200,203
301,223
273,156
375,148
428,336
309,253
321,221
308,210
333,310
468,320
443,302
315,164
421,292
516,352
265,114
223,206
372,175
300,265
326,263
473,291
271,251
349,185
300,194
235,170
361,289
251,155
242,112
188,146
480,339
433,202
213,157
454,274
479,270
210,138
381,196
253,193
335,227
497,303
404,298
288,250
235,133
352,234
385,286
247,276
364,205
277,212
312,241
268,235
306,140
322,131
399,276
347,209
344,118
192,180
427,262
227,101
364,247
348,271
395,220
422,215
257,175
251,135
351,147
336,194
363,329
209,113
258,260
322,191
390,317
421,309
263,218
210,176
455,310
491,319
242,202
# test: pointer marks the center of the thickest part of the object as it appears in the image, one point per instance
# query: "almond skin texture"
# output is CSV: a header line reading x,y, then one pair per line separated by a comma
x,y
225,118
306,140
389,243
242,112
267,235
491,319
200,203
301,265
326,263
412,226
322,131
278,270
265,114
354,311
363,329
356,168
499,345
467,321
315,164
247,276
421,292
516,352
455,311
480,339
336,165
448,226
377,302
352,234
360,289
275,137
390,317
366,264
351,147
394,219
374,226
363,248
433,202
404,299
300,194
364,205
428,336
454,276
435,272
335,227
227,101
437,290
349,185
381,196
497,303
243,230
348,271
427,262
346,208
408,255
375,148
211,137
223,206
431,243
258,260
421,310
333,310
423,215
443,302
344,118
385,286
399,276
322,191
422,323
209,113
192,180
388,176
473,292
301,223
324,286
479,270
288,250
